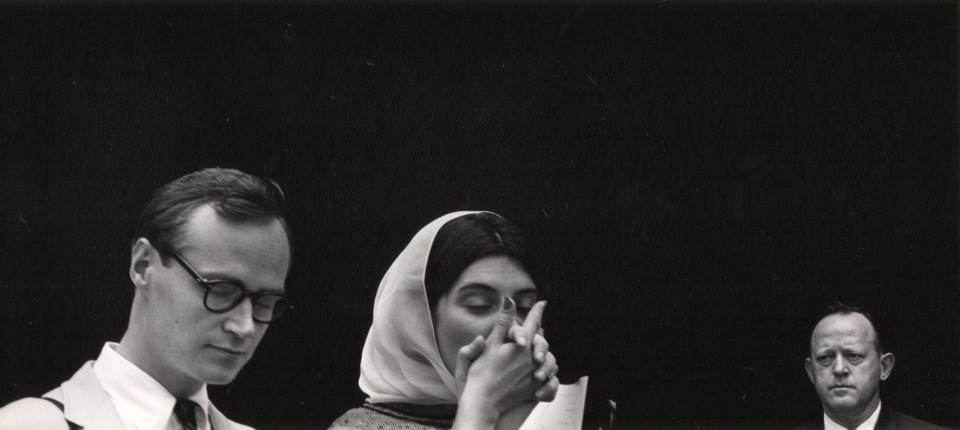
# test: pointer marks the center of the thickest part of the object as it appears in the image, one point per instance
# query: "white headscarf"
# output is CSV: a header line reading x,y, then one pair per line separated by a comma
x,y
401,361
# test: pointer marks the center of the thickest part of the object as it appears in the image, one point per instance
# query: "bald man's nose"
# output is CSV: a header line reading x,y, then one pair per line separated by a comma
x,y
840,365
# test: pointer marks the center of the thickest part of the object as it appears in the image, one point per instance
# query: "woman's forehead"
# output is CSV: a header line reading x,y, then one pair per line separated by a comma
x,y
501,273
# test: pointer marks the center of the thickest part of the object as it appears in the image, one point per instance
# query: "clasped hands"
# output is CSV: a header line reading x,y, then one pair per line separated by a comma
x,y
512,364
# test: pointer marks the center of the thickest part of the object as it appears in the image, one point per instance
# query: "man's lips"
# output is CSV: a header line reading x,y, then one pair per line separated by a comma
x,y
230,351
847,387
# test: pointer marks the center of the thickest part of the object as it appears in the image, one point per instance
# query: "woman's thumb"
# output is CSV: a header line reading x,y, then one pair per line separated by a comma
x,y
506,319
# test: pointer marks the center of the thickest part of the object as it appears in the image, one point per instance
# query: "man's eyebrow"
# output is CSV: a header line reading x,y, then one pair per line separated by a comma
x,y
215,276
852,348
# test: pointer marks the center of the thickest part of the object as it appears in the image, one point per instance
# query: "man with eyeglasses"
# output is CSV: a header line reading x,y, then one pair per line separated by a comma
x,y
208,268
846,365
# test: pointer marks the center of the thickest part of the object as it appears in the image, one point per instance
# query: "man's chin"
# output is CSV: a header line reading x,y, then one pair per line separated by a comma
x,y
843,404
221,381
219,376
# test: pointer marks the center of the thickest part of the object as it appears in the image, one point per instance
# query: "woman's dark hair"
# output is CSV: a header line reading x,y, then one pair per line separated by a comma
x,y
464,240
233,194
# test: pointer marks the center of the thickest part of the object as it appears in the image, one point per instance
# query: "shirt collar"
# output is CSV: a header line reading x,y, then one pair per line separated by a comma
x,y
869,424
141,401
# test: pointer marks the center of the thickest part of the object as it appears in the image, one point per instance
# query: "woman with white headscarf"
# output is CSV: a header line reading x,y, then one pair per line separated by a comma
x,y
445,349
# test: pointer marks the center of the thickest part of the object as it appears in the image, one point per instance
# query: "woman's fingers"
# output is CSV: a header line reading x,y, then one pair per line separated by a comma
x,y
540,348
506,319
465,356
517,335
531,323
547,369
470,352
522,335
548,390
547,373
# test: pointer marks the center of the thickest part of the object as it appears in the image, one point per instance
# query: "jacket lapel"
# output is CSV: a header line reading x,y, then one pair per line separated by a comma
x,y
885,421
220,422
86,403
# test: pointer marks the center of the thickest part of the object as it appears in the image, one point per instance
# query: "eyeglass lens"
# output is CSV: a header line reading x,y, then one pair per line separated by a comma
x,y
223,296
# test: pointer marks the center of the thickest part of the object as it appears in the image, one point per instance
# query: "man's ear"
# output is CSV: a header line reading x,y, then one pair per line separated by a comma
x,y
807,364
886,365
142,258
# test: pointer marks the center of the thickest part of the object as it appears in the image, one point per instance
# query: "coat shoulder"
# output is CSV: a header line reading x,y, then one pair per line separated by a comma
x,y
32,413
816,424
906,422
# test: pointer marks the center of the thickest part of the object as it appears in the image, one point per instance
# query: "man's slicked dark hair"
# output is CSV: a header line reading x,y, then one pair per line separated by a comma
x,y
234,195
842,309
464,240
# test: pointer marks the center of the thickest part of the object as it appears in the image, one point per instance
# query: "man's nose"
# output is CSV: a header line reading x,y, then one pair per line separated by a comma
x,y
840,366
240,319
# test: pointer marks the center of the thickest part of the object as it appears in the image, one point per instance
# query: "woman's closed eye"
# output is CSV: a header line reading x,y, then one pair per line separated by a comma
x,y
483,302
480,306
525,302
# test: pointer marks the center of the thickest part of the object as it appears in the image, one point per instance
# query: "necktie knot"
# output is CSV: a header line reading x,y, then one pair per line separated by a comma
x,y
186,412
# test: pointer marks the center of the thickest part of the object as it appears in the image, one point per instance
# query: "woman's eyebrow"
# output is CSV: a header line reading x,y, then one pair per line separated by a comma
x,y
532,291
477,286
485,288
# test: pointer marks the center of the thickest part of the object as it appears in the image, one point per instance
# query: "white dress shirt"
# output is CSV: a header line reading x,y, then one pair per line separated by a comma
x,y
141,401
869,424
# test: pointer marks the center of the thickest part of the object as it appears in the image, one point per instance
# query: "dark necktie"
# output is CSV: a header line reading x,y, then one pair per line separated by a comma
x,y
185,410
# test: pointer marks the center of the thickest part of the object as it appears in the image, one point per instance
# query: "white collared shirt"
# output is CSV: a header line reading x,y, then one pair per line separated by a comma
x,y
869,424
141,401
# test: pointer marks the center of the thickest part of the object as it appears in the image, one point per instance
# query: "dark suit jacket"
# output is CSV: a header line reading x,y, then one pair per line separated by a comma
x,y
888,420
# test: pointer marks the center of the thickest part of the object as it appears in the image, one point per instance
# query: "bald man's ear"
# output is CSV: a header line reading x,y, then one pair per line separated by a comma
x,y
142,258
886,365
807,364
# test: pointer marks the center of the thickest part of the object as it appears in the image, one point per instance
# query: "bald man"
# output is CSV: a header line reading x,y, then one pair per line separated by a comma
x,y
846,365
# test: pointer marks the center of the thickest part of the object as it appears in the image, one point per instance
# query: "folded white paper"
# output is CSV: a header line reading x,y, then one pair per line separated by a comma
x,y
565,412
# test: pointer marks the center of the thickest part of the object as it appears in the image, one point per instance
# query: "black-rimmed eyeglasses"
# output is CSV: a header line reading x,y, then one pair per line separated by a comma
x,y
222,296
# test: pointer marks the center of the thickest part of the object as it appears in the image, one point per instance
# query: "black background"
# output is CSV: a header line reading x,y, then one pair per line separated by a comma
x,y
696,181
